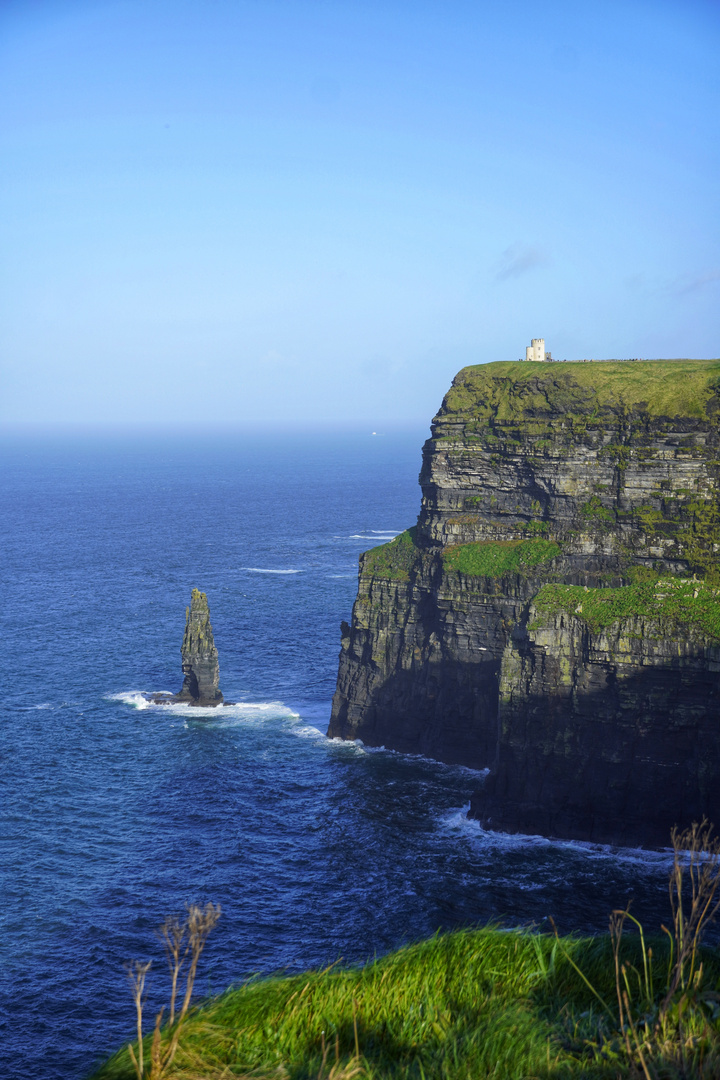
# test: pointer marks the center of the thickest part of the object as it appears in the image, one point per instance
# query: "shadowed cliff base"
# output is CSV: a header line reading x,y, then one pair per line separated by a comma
x,y
621,764
442,711
620,760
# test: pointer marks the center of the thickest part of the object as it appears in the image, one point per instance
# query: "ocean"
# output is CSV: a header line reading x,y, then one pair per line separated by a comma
x,y
117,813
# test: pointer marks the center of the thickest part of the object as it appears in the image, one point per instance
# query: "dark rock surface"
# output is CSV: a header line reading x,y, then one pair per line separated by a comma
x,y
199,655
199,658
604,477
611,736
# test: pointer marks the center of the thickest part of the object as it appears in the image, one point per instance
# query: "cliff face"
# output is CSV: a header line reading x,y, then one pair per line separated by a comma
x,y
554,616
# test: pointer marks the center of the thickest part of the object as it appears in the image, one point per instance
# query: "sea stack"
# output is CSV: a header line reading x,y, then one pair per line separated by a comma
x,y
199,656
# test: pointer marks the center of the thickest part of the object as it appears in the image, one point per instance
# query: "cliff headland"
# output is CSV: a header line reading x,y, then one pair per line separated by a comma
x,y
554,616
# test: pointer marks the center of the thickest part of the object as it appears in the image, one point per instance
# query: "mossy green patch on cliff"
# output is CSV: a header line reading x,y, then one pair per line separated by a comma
x,y
674,601
496,558
593,509
693,525
619,455
536,528
699,542
514,390
393,560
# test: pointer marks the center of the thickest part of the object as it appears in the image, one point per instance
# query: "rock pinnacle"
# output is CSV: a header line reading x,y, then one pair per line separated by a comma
x,y
199,655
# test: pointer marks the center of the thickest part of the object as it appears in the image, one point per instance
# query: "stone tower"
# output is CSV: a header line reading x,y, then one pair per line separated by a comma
x,y
536,349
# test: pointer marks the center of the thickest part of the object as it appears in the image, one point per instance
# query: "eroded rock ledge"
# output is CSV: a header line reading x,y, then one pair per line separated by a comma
x,y
555,614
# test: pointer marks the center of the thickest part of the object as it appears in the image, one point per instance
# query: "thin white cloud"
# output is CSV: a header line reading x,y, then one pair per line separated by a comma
x,y
518,259
695,284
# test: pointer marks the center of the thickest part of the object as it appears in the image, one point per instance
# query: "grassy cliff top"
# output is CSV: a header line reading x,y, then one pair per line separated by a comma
x,y
520,389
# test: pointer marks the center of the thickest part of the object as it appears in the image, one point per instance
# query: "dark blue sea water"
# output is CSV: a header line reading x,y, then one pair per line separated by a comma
x,y
116,814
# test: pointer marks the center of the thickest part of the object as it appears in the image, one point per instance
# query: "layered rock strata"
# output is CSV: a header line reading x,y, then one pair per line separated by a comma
x,y
555,614
199,656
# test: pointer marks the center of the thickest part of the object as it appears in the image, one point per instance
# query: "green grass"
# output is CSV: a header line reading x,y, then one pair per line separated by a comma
x,y
394,560
536,528
593,509
471,1004
673,600
511,390
496,558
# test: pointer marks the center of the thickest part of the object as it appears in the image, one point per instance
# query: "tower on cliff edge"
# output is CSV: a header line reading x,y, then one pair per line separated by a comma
x,y
536,350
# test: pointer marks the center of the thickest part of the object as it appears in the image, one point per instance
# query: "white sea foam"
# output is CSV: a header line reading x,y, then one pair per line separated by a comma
x,y
439,766
240,712
136,698
244,712
263,570
307,731
353,747
374,536
457,821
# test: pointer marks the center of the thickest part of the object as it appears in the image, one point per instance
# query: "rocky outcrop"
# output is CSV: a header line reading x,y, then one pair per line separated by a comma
x,y
555,614
199,656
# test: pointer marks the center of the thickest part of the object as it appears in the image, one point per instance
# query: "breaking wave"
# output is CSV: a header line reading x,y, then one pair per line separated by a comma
x,y
234,712
263,570
383,537
456,821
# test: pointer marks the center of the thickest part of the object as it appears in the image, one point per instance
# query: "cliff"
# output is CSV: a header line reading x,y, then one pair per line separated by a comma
x,y
555,614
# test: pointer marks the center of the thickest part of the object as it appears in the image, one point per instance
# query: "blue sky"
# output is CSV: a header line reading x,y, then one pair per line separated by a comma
x,y
308,212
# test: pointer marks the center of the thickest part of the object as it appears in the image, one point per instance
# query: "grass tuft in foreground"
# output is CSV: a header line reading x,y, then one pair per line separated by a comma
x,y
184,943
472,1003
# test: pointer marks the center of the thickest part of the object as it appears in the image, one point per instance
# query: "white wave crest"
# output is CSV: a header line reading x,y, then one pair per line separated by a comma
x,y
135,698
243,711
307,731
355,746
457,821
262,570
